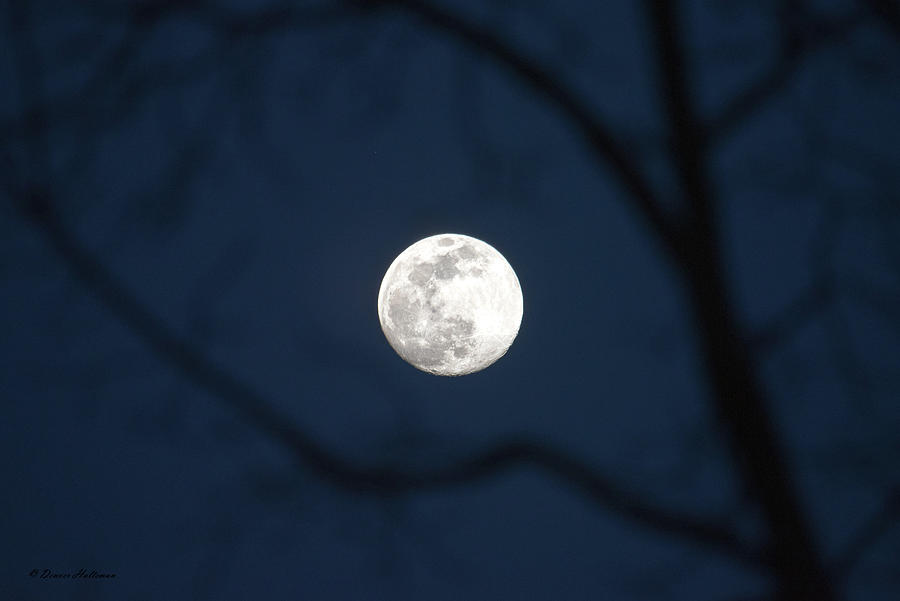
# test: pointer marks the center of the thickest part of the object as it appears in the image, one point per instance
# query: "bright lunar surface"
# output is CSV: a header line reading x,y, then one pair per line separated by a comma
x,y
450,305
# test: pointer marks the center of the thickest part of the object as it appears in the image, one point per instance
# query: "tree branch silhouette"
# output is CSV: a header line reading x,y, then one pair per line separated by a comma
x,y
36,204
79,109
888,12
806,306
737,393
597,488
795,47
875,527
540,79
691,240
287,17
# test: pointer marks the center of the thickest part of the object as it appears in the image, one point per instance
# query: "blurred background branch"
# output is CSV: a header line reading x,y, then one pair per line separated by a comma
x,y
866,536
687,219
598,488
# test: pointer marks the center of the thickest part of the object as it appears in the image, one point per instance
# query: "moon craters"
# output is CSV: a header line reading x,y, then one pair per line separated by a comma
x,y
421,273
450,305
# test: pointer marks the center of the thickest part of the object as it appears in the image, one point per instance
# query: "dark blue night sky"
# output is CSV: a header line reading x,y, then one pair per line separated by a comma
x,y
700,200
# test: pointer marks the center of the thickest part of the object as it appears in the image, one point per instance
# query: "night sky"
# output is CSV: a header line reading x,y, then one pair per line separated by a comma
x,y
199,202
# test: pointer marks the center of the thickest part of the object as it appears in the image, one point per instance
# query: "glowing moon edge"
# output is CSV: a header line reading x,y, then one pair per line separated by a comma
x,y
450,305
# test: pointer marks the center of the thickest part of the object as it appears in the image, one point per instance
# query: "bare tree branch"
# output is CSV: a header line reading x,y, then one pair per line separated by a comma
x,y
284,18
566,101
794,50
273,19
880,298
79,108
888,11
693,246
794,317
738,395
26,62
342,473
886,517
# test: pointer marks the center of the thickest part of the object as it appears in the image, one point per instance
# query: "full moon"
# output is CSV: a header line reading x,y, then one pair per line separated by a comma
x,y
450,305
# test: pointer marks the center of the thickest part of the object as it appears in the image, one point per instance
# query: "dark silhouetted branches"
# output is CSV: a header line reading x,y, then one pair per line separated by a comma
x,y
738,396
273,19
339,472
567,102
888,11
691,239
813,301
887,516
881,299
30,88
795,47
805,307
80,110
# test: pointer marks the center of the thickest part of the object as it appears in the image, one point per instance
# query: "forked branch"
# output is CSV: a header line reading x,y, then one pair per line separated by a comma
x,y
886,517
339,472
792,54
529,70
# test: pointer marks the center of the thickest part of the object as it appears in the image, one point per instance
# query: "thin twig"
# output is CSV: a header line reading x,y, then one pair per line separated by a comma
x,y
738,395
798,313
886,517
756,95
888,11
566,101
342,473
